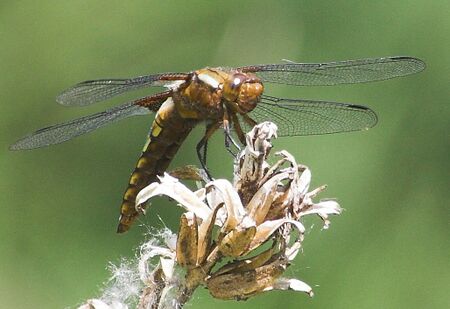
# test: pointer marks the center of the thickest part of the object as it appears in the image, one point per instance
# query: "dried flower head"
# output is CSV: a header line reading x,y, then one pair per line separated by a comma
x,y
254,224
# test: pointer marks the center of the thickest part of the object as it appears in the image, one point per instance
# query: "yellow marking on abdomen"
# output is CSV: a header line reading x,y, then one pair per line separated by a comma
x,y
169,130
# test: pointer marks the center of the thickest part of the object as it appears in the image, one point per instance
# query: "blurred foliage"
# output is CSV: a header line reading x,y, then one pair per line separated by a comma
x,y
60,204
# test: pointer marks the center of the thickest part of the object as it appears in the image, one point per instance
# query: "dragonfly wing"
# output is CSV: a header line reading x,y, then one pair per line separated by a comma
x,y
333,73
65,131
309,117
89,92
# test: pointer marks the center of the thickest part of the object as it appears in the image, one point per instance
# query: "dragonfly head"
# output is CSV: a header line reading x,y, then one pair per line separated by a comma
x,y
244,90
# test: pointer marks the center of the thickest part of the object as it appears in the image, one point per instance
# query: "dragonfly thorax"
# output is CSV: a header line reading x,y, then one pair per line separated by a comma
x,y
201,96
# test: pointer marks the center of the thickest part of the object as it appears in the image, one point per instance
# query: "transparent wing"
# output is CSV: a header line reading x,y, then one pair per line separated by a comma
x,y
333,73
308,117
92,91
65,131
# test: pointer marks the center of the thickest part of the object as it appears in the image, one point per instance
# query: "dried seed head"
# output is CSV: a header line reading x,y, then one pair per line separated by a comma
x,y
264,206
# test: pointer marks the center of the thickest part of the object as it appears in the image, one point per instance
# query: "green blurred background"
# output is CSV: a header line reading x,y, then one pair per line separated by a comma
x,y
59,205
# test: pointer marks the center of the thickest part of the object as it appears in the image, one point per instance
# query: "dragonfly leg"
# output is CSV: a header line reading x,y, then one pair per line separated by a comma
x,y
205,152
228,138
201,154
202,146
238,129
229,141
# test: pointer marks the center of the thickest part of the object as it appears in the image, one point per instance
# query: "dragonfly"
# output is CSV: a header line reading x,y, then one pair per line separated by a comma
x,y
229,98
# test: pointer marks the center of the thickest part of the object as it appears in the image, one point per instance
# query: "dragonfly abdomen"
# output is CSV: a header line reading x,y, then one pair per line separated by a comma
x,y
168,132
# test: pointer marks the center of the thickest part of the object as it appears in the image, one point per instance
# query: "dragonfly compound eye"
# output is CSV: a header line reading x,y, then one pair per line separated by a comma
x,y
249,95
243,89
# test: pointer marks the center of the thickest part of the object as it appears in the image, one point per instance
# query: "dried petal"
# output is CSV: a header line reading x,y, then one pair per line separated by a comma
x,y
291,252
172,188
266,229
227,194
171,241
148,251
167,266
292,284
323,209
259,205
326,207
201,194
251,163
304,181
260,136
280,206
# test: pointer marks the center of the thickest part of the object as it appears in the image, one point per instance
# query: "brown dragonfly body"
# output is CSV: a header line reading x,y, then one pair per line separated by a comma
x,y
231,98
211,95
